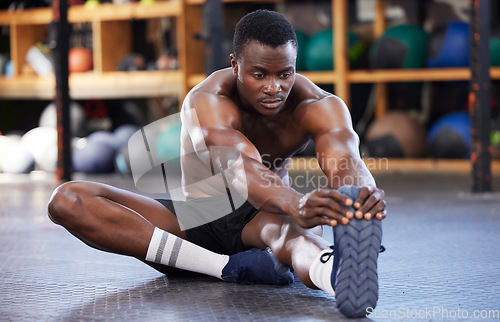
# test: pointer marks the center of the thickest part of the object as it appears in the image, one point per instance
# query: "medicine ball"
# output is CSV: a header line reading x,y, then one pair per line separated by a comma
x,y
95,155
14,157
302,41
396,135
105,137
80,60
494,51
122,161
42,144
449,46
320,49
17,159
122,134
48,118
168,144
401,46
449,137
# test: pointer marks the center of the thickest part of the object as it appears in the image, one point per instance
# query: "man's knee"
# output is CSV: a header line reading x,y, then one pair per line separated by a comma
x,y
66,204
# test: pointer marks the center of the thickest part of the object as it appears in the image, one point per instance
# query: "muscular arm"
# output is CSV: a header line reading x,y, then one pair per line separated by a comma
x,y
337,144
337,148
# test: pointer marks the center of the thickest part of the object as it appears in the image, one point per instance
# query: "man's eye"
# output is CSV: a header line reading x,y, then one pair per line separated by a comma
x,y
286,75
258,75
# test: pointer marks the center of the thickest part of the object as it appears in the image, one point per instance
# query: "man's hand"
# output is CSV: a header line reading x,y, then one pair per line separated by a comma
x,y
329,207
370,203
323,207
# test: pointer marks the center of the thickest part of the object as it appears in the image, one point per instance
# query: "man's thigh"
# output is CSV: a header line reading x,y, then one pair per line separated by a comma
x,y
148,208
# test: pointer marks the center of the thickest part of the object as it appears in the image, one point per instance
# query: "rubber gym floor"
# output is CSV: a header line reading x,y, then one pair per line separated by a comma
x,y
442,263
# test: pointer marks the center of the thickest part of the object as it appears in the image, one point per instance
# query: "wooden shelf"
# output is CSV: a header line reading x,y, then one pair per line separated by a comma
x,y
41,16
383,76
394,165
321,77
128,11
415,75
111,32
200,2
104,12
96,85
110,20
195,79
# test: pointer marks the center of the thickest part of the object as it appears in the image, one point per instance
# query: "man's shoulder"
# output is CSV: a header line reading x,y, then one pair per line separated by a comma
x,y
216,89
210,102
309,97
221,82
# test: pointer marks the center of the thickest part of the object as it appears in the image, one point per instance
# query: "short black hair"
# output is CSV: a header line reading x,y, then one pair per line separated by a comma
x,y
270,28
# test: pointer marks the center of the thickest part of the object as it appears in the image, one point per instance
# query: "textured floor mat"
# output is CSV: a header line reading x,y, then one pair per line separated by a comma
x,y
442,260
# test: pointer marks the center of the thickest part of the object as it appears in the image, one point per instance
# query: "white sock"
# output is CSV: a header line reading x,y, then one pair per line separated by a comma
x,y
170,250
320,273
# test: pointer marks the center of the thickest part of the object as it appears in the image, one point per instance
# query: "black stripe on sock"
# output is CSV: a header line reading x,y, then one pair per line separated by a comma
x,y
161,247
175,252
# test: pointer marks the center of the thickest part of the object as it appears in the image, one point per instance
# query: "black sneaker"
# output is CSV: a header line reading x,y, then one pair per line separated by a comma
x,y
256,266
354,276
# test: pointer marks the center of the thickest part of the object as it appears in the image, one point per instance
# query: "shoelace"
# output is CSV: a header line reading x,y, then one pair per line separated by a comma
x,y
330,254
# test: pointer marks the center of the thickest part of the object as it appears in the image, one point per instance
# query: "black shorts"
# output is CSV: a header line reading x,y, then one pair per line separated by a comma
x,y
222,235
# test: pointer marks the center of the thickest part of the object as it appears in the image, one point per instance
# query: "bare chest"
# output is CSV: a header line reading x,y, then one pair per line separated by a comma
x,y
276,141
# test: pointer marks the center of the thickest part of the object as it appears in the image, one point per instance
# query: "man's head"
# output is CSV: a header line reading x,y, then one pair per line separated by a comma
x,y
265,51
269,28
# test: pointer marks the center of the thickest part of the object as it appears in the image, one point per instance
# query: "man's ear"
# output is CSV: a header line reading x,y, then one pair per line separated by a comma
x,y
234,64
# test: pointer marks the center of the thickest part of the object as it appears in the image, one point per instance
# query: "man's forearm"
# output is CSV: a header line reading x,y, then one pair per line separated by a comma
x,y
352,172
267,191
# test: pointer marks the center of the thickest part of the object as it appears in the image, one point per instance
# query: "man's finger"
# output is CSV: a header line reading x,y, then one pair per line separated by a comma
x,y
369,204
381,215
324,212
337,196
337,208
361,198
377,208
329,222
317,221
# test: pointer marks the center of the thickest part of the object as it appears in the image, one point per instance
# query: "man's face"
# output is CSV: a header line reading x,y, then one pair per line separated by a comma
x,y
265,76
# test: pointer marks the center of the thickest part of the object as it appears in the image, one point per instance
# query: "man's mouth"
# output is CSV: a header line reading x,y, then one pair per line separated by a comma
x,y
271,103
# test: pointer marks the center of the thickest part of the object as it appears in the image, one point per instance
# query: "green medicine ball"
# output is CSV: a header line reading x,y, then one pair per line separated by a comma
x,y
401,46
302,41
495,51
168,144
320,49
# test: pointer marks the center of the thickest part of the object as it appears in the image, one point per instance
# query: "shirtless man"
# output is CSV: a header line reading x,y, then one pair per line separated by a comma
x,y
258,112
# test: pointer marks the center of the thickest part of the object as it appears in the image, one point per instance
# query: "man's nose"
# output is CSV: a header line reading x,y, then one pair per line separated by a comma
x,y
273,87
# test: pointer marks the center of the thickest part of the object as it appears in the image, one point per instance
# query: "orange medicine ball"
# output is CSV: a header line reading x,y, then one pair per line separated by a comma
x,y
80,60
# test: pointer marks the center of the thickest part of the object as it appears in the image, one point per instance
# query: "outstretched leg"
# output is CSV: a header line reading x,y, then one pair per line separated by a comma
x,y
122,222
348,270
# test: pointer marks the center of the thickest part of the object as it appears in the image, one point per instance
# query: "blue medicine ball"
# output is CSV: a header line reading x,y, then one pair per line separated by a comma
x,y
449,46
122,134
104,137
93,156
122,161
449,137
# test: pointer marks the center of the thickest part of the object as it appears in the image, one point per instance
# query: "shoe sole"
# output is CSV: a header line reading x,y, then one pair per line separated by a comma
x,y
357,246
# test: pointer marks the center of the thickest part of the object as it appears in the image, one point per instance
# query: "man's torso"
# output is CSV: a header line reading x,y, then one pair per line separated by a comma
x,y
276,138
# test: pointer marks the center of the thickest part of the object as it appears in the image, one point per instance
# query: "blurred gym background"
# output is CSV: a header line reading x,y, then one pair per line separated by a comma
x,y
414,74
131,63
